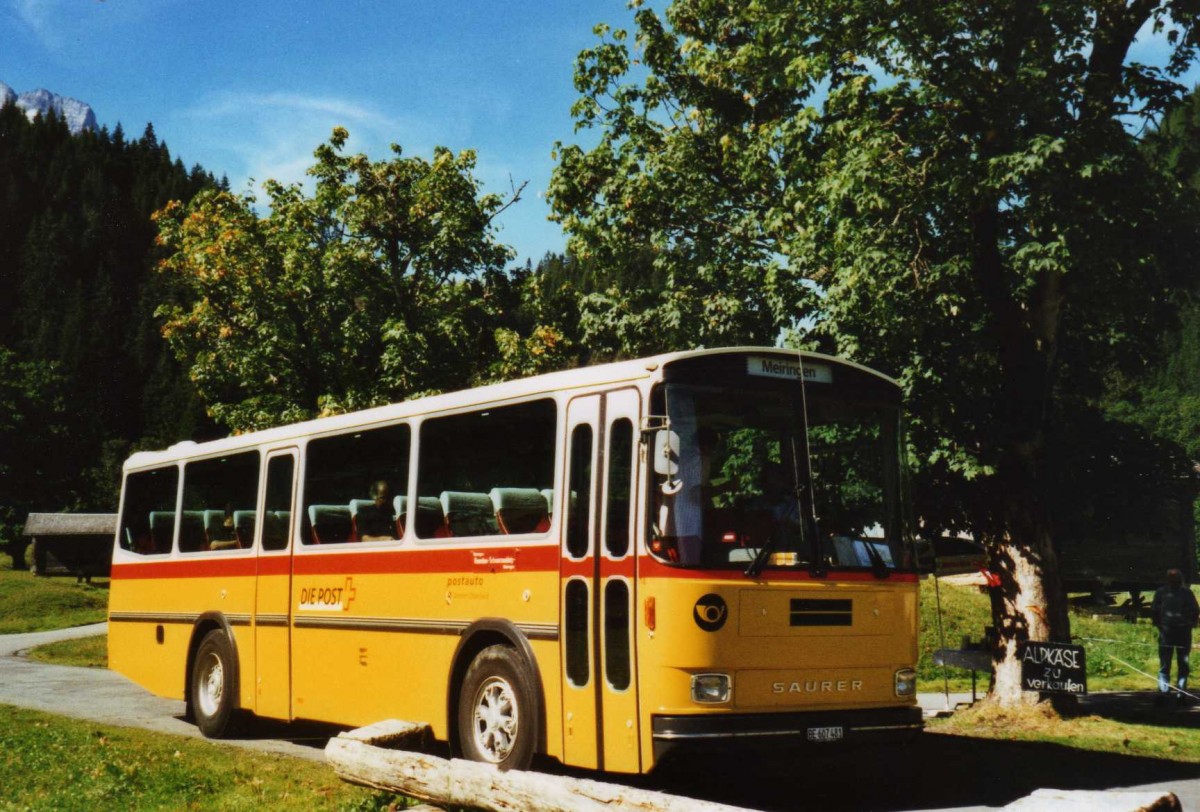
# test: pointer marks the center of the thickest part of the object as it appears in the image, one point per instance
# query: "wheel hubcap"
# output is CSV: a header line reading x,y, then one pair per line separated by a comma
x,y
211,684
495,719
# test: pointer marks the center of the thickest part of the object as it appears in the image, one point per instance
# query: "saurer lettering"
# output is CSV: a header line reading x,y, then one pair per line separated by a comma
x,y
813,686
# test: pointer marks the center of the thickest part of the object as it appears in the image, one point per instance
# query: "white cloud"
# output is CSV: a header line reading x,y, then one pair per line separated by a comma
x,y
264,136
271,135
42,19
66,28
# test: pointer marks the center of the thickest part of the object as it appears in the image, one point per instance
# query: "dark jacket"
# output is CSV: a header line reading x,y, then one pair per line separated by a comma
x,y
1175,608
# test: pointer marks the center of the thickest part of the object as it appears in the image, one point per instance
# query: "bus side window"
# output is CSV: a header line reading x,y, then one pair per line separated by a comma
x,y
580,485
277,505
487,469
344,474
521,510
148,517
215,492
430,520
617,497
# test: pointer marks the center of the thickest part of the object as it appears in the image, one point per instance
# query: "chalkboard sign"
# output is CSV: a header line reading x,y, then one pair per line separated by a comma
x,y
1052,668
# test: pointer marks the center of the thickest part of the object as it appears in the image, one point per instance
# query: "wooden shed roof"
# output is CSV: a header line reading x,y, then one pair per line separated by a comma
x,y
70,524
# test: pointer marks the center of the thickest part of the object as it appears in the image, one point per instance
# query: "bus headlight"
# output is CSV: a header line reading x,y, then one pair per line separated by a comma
x,y
906,682
710,688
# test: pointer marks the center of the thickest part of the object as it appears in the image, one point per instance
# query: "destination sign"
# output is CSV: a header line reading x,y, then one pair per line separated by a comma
x,y
789,369
1052,668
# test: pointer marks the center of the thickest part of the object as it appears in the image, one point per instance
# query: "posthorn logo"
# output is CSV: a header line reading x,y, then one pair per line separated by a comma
x,y
710,612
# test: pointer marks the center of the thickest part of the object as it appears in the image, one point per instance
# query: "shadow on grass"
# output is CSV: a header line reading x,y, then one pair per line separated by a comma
x,y
302,733
934,771
1143,708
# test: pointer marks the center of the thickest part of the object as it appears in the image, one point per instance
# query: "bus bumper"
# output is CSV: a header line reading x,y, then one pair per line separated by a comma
x,y
801,729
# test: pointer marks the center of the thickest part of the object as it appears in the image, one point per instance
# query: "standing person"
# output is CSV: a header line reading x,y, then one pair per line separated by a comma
x,y
1175,613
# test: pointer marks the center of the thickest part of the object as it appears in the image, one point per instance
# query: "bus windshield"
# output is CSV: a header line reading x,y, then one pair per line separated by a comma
x,y
777,477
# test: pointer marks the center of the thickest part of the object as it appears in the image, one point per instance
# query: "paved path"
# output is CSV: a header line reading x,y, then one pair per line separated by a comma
x,y
100,695
103,696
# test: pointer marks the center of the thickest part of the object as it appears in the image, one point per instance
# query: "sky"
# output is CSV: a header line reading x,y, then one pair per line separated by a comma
x,y
249,89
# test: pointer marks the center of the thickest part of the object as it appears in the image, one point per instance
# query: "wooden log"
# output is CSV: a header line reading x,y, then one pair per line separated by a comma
x,y
357,758
1114,800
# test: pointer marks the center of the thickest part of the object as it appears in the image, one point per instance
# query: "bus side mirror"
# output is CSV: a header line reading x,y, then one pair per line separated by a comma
x,y
666,453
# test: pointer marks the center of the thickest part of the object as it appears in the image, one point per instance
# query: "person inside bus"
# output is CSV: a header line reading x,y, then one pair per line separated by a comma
x,y
376,521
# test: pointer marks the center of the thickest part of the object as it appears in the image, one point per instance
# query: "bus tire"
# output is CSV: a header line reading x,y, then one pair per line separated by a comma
x,y
211,688
496,711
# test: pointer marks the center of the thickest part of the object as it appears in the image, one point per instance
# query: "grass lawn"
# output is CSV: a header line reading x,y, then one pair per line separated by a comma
x,y
50,762
84,652
1082,733
32,604
1114,646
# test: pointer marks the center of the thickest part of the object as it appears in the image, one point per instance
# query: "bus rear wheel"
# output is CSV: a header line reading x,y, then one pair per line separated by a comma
x,y
496,717
211,689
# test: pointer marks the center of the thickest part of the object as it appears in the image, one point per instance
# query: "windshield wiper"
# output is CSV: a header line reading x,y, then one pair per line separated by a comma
x,y
878,566
762,556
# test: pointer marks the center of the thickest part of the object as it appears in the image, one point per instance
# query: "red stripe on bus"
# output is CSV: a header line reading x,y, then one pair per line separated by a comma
x,y
650,567
187,568
468,559
586,567
275,565
541,558
489,559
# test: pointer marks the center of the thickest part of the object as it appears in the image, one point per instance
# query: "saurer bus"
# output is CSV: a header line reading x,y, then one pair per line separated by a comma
x,y
601,565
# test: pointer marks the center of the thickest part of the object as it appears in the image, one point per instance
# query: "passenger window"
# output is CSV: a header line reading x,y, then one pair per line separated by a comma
x,y
354,485
616,634
216,493
148,517
577,618
620,473
488,472
277,506
579,485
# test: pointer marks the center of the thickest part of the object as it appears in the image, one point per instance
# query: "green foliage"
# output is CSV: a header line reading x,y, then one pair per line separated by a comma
x,y
34,433
951,192
1173,143
376,287
1165,397
536,313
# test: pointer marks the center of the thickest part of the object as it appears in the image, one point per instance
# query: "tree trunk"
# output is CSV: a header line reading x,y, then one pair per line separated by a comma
x,y
1029,603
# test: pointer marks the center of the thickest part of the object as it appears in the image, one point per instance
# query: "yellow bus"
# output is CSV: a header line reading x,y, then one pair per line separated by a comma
x,y
601,565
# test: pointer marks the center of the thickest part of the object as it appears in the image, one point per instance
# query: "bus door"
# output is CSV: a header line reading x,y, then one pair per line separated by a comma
x,y
600,716
275,531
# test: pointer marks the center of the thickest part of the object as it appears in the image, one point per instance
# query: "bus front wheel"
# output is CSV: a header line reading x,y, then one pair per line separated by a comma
x,y
211,689
495,710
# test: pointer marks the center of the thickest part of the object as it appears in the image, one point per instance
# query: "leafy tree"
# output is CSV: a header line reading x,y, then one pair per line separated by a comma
x,y
35,467
1165,399
375,287
950,190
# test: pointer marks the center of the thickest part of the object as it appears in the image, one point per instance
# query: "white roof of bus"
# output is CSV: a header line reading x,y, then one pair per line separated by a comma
x,y
583,377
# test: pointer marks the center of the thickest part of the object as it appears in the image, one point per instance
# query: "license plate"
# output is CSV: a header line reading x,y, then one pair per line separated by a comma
x,y
824,734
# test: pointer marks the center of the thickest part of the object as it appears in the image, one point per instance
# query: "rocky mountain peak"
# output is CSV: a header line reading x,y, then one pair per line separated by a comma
x,y
78,115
